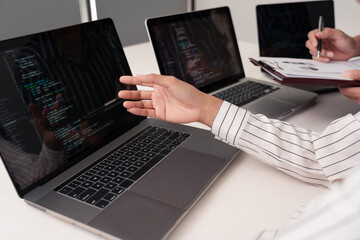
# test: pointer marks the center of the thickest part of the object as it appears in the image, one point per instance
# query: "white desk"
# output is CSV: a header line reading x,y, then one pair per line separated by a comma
x,y
247,198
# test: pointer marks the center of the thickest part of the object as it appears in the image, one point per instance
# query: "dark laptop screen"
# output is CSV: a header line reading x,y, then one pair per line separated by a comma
x,y
197,47
58,98
283,28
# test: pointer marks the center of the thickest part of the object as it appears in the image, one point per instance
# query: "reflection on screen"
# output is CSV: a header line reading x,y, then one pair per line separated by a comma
x,y
58,100
199,50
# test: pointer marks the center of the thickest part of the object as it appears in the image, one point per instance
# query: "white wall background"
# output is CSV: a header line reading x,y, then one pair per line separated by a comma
x,y
129,15
347,15
21,17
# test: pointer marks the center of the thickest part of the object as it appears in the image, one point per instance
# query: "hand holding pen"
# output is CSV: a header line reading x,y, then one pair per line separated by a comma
x,y
335,45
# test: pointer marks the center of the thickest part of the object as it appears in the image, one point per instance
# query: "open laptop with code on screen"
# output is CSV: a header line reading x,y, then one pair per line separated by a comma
x,y
72,150
201,48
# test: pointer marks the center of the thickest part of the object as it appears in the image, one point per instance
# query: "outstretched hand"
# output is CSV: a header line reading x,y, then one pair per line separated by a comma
x,y
170,100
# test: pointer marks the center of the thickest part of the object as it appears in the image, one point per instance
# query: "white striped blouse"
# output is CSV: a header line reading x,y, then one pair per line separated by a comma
x,y
333,215
316,158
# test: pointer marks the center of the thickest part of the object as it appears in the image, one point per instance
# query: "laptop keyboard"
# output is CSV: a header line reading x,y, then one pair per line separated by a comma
x,y
103,181
246,92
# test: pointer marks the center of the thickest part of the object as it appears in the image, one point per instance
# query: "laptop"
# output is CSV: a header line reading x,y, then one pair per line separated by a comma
x,y
283,27
200,48
72,150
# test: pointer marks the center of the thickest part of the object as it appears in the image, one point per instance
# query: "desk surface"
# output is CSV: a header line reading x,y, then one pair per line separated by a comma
x,y
246,199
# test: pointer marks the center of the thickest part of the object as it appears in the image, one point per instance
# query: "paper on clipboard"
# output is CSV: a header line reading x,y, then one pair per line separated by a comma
x,y
307,68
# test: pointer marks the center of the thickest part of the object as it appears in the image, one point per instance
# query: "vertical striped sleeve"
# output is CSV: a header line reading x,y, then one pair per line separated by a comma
x,y
316,158
338,148
229,122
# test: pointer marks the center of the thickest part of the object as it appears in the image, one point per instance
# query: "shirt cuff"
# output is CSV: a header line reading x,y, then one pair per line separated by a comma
x,y
229,122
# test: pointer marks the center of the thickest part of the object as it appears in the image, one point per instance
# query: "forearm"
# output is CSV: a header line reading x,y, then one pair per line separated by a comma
x,y
210,107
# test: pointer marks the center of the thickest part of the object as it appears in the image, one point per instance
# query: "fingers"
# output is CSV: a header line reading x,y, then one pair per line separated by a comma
x,y
312,41
148,80
321,59
135,95
132,80
141,108
312,44
143,112
315,35
352,74
353,93
138,104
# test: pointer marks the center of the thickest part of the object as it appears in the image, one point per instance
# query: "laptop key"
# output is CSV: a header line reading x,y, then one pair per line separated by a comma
x,y
132,169
126,183
118,190
125,174
86,194
113,174
120,169
87,184
109,167
82,178
76,192
139,164
165,151
174,136
74,184
90,173
102,204
98,185
103,173
65,190
105,180
97,196
146,167
110,185
110,197
94,178
118,180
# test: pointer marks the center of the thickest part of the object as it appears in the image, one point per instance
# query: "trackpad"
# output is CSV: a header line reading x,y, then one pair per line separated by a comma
x,y
180,178
270,107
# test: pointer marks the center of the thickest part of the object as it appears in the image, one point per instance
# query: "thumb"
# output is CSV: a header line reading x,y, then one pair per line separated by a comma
x,y
352,74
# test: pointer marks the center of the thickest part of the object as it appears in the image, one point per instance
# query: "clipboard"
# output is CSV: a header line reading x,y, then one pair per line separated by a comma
x,y
286,80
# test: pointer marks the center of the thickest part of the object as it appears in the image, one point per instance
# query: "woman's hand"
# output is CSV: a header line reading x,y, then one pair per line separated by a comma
x,y
170,100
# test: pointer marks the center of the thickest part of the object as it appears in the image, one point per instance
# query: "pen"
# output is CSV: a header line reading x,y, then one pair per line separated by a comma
x,y
320,28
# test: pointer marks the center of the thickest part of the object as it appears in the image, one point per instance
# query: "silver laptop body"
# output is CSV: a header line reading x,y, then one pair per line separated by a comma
x,y
73,151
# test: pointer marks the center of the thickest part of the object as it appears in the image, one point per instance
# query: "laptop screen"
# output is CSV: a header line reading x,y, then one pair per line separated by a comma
x,y
197,47
58,99
283,28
